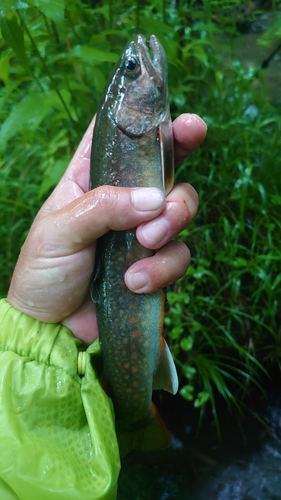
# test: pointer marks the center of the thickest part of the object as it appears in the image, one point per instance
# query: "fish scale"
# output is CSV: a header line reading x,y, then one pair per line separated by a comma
x,y
133,147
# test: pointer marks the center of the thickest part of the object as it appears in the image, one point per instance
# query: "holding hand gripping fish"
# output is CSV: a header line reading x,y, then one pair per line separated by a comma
x,y
133,147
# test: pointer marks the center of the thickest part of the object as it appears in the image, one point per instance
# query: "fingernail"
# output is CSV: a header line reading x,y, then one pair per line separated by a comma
x,y
156,230
137,282
147,199
199,119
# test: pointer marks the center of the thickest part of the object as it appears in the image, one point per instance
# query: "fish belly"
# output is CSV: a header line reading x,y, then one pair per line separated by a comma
x,y
130,326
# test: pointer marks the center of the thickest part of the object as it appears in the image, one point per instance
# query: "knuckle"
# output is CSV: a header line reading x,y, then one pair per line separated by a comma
x,y
107,198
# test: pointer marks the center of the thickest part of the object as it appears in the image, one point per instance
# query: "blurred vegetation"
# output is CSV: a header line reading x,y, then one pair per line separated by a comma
x,y
224,318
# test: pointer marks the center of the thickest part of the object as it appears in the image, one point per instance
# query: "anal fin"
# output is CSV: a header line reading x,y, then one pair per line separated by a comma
x,y
165,376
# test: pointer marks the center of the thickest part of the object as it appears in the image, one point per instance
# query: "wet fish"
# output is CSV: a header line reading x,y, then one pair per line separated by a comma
x,y
133,146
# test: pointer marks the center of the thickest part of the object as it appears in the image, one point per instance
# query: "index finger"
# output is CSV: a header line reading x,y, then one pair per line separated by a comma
x,y
189,131
79,167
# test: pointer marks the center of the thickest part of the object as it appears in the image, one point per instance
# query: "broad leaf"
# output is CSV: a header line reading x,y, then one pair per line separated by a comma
x,y
53,175
53,9
187,343
13,36
8,5
90,54
28,114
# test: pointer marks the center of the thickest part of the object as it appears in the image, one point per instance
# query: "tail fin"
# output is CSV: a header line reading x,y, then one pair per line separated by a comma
x,y
152,436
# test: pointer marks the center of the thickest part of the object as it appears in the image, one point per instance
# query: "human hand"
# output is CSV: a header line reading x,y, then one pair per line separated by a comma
x,y
53,274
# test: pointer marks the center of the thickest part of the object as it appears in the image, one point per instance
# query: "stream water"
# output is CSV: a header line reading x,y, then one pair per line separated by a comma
x,y
244,465
250,52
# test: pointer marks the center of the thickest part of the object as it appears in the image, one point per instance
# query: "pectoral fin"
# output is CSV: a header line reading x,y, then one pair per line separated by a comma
x,y
165,376
167,154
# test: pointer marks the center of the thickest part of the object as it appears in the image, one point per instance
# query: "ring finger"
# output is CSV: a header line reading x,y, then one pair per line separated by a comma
x,y
165,267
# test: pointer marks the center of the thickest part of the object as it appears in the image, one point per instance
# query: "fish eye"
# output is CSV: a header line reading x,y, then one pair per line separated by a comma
x,y
132,66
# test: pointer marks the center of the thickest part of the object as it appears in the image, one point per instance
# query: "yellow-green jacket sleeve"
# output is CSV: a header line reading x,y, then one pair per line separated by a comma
x,y
57,437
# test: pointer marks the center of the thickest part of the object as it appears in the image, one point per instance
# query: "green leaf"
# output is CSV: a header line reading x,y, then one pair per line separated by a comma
x,y
176,332
13,36
189,371
240,262
202,398
186,392
187,343
99,80
276,199
156,26
53,175
276,282
28,114
104,10
7,5
91,55
53,9
4,68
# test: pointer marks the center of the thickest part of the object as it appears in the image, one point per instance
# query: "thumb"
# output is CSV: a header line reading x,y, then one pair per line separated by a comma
x,y
84,220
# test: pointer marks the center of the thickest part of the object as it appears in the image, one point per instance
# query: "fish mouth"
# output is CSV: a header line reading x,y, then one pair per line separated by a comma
x,y
156,65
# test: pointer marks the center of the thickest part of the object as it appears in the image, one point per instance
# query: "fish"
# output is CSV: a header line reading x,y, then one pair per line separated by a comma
x,y
132,146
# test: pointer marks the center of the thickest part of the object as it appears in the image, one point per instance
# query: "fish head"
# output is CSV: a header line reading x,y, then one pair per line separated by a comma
x,y
139,87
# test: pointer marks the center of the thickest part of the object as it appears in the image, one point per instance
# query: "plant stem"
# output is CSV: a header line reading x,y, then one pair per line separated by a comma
x,y
46,68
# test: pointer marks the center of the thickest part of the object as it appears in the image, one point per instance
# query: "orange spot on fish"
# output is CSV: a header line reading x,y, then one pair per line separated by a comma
x,y
133,319
135,333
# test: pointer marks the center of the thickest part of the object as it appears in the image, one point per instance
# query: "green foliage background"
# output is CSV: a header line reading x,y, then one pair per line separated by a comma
x,y
224,319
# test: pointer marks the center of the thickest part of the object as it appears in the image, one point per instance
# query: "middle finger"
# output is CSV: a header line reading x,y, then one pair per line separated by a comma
x,y
180,208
